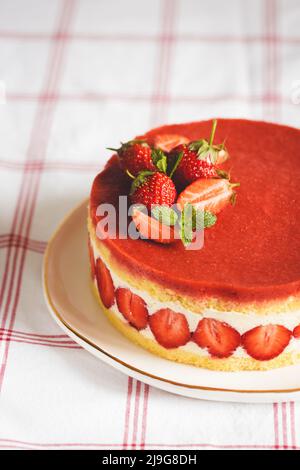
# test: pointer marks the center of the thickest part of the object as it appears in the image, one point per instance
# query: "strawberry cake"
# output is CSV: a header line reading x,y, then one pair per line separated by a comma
x,y
232,303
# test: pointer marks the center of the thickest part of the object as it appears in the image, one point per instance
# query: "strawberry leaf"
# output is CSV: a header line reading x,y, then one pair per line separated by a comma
x,y
159,159
222,174
205,149
165,215
178,160
233,198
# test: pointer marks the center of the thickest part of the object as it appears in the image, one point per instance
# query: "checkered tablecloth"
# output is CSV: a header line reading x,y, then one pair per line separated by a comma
x,y
77,76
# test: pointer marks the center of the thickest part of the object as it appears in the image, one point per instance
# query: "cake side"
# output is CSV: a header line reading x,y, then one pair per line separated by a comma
x,y
191,353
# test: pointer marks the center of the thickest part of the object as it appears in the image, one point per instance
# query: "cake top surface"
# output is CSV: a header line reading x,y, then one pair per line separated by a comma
x,y
255,246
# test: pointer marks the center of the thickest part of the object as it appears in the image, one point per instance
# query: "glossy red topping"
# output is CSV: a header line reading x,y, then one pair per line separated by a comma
x,y
253,252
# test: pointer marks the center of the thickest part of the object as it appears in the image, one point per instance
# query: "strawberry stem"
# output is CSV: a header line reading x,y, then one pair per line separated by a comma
x,y
130,175
235,185
213,131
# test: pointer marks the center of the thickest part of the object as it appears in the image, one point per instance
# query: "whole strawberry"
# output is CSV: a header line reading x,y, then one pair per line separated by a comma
x,y
137,155
197,159
190,167
152,189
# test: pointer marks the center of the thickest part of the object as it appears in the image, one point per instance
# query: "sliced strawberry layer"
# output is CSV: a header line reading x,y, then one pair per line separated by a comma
x,y
206,194
132,307
170,328
167,142
92,260
152,229
105,284
219,338
266,342
296,332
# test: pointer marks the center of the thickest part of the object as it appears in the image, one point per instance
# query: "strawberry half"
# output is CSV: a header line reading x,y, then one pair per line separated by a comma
x,y
296,332
153,189
92,260
167,142
219,338
208,194
152,229
266,342
170,329
105,284
132,307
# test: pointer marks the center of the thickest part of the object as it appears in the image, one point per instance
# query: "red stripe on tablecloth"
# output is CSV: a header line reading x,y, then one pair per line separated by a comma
x,y
284,425
127,412
193,37
159,72
292,420
182,99
136,414
276,433
40,343
42,123
13,335
35,165
145,413
35,335
22,242
12,236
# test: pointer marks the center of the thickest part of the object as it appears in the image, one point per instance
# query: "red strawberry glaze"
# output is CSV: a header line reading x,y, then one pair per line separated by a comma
x,y
252,254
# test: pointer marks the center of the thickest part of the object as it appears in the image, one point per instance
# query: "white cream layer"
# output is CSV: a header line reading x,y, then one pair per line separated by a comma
x,y
241,322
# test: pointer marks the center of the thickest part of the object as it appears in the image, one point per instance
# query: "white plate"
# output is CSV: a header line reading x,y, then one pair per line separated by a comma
x,y
71,302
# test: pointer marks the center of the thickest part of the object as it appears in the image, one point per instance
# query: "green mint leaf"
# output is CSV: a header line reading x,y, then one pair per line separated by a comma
x,y
202,219
209,219
140,179
165,215
191,220
186,225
